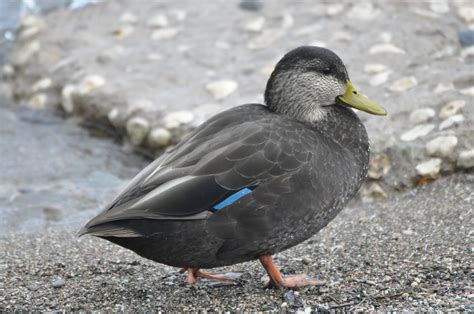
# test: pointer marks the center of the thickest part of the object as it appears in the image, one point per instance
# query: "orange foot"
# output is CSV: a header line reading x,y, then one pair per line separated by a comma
x,y
278,281
214,278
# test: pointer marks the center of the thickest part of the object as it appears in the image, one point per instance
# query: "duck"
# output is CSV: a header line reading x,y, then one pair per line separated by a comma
x,y
251,181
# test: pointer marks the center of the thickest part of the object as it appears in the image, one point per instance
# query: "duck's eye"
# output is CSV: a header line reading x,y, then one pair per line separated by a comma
x,y
327,71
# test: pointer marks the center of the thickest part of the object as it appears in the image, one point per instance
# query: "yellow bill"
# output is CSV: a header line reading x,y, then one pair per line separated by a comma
x,y
354,99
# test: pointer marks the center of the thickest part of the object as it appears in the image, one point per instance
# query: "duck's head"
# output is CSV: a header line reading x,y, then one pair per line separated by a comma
x,y
307,80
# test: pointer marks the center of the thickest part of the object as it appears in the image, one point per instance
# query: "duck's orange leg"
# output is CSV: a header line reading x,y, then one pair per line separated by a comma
x,y
194,273
276,280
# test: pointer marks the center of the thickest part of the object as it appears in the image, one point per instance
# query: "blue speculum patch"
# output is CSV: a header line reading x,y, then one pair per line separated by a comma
x,y
231,199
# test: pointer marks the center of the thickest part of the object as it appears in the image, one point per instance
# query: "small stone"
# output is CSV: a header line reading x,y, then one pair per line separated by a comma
x,y
379,165
59,283
165,33
158,21
91,83
466,37
385,48
42,84
447,51
466,159
334,9
466,12
159,138
179,15
442,146
444,87
221,89
251,5
429,167
38,101
8,71
362,11
137,129
182,117
403,84
154,57
342,36
66,98
451,108
34,287
468,91
374,68
467,52
129,18
265,39
422,115
439,7
386,37
23,54
255,25
380,78
140,106
29,33
414,284
451,121
123,31
373,192
287,20
408,232
418,131
116,118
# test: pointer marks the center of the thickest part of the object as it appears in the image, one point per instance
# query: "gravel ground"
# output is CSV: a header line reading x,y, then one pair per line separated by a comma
x,y
408,253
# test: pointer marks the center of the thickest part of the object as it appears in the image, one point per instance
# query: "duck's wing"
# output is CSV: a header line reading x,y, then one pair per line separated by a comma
x,y
236,150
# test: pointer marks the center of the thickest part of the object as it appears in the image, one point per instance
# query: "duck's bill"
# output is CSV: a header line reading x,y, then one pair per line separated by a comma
x,y
354,99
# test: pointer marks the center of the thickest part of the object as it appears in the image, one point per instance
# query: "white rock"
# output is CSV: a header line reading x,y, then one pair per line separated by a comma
x,y
182,117
154,56
140,106
179,15
159,137
380,78
42,84
308,30
265,39
334,9
221,89
466,159
374,68
452,120
466,12
451,108
439,7
116,118
422,115
22,55
468,91
38,101
418,131
442,146
137,129
8,71
385,48
91,82
129,18
442,88
362,11
342,36
29,32
403,84
256,25
386,37
429,167
447,51
467,52
373,192
158,21
165,33
287,20
66,98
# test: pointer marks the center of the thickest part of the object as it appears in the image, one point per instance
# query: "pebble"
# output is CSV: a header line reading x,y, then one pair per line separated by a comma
x,y
334,9
221,89
443,87
380,78
379,166
447,51
385,48
123,31
466,37
29,33
251,5
363,11
466,159
386,37
66,98
181,117
468,91
442,146
451,108
287,20
179,15
466,12
265,39
422,115
23,54
403,84
255,25
165,33
342,36
429,167
37,101
373,192
467,52
374,68
8,71
116,118
42,84
451,121
129,18
418,131
59,283
137,129
158,21
159,137
439,7
91,82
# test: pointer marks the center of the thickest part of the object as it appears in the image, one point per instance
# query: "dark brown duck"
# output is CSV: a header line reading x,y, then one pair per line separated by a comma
x,y
251,181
